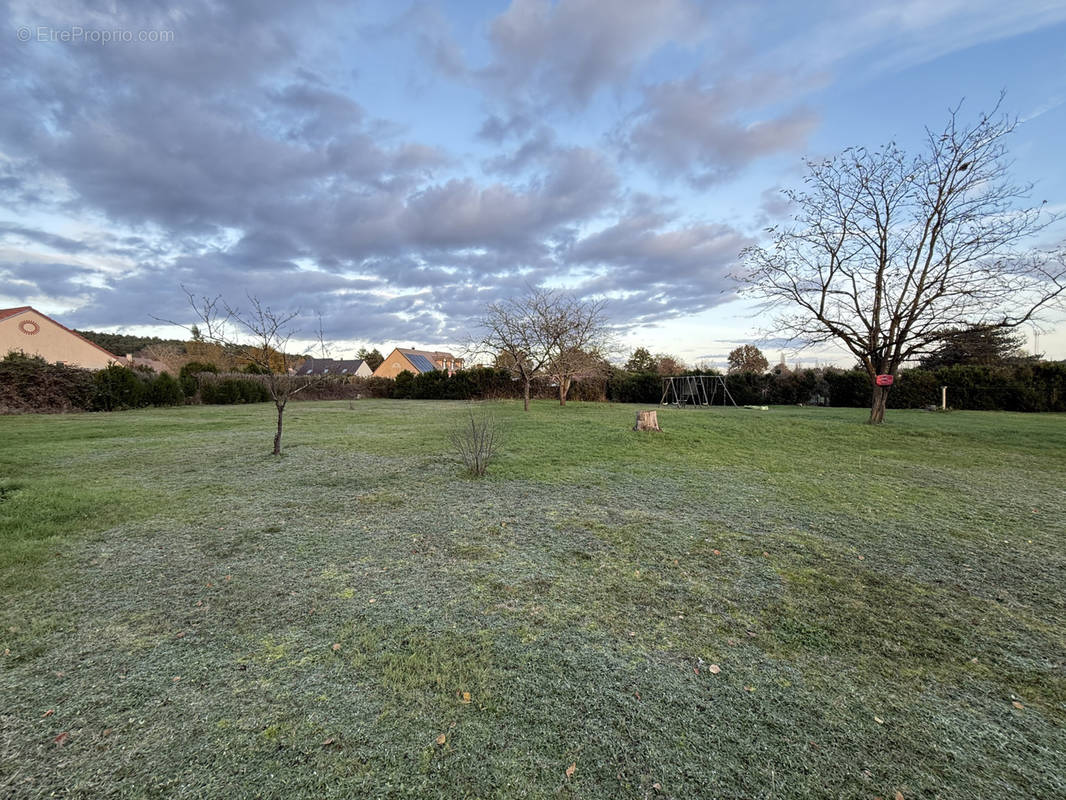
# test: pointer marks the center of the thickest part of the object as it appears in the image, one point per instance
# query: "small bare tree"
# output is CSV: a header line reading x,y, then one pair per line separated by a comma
x,y
543,333
892,253
259,336
476,442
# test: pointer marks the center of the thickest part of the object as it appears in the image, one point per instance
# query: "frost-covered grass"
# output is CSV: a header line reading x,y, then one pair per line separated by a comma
x,y
885,607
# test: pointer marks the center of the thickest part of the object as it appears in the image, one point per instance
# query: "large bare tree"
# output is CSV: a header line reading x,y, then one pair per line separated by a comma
x,y
259,336
543,333
891,253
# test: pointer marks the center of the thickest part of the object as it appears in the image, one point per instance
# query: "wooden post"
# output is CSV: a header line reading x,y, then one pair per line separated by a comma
x,y
647,421
943,398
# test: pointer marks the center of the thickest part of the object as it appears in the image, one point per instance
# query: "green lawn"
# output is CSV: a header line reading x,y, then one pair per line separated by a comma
x,y
190,617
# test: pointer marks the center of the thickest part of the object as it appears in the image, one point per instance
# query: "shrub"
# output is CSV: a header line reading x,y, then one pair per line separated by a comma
x,y
476,443
633,387
117,388
189,378
233,391
164,390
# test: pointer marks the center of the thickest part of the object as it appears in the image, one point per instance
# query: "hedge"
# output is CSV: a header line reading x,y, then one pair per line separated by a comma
x,y
31,384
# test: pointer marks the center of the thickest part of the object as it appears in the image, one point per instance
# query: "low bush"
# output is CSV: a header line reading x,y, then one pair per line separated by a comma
x,y
476,442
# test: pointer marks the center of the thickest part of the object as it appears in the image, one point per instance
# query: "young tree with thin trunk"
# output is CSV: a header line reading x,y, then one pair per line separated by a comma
x,y
890,253
257,336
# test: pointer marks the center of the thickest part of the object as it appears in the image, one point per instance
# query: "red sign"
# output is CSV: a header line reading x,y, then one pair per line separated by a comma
x,y
884,380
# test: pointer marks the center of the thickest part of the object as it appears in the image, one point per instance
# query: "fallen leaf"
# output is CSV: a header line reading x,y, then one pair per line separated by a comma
x,y
48,713
696,670
179,635
571,769
749,688
1017,705
714,669
899,795
336,647
62,738
879,721
718,552
328,742
371,599
657,787
862,558
765,553
442,739
466,697
176,678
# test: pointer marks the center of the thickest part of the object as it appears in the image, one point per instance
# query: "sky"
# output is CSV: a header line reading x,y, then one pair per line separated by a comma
x,y
393,168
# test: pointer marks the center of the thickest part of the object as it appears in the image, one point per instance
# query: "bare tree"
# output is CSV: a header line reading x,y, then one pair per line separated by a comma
x,y
583,346
891,253
539,334
572,363
258,336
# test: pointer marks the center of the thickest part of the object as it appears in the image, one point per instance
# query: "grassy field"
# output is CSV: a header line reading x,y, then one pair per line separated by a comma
x,y
750,605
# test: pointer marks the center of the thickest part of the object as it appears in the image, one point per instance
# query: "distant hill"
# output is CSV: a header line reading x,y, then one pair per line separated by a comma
x,y
122,343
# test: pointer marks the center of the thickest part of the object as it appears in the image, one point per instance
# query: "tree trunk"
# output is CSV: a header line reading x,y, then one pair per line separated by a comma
x,y
647,421
877,407
277,436
525,396
564,389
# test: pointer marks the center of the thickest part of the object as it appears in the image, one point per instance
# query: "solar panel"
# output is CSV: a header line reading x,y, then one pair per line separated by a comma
x,y
420,362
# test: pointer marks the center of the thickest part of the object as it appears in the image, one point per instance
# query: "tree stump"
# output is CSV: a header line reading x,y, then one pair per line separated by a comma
x,y
647,421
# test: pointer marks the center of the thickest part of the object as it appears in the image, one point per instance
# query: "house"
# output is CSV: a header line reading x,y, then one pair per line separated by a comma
x,y
417,361
26,330
355,368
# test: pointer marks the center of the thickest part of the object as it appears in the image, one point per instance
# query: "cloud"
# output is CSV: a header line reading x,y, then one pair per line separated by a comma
x,y
549,52
659,272
687,129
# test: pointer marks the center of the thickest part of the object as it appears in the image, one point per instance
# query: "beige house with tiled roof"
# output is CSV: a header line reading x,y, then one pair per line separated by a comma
x,y
26,330
417,361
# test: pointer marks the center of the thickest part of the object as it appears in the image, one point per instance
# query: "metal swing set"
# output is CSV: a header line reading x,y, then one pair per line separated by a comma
x,y
694,390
